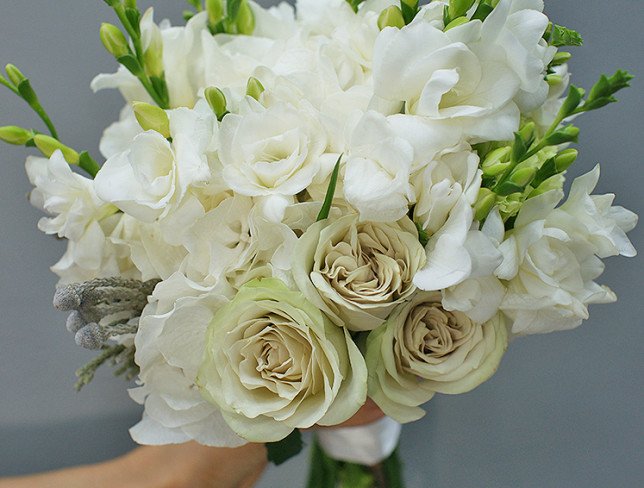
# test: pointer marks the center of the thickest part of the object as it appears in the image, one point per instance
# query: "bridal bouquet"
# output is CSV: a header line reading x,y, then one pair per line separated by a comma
x,y
303,209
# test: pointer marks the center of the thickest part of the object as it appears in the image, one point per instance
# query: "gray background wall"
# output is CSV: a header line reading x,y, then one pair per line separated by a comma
x,y
564,410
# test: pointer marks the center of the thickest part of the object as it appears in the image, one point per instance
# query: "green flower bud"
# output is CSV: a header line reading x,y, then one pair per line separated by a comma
x,y
456,22
215,9
569,133
114,40
554,80
523,177
15,75
151,117
245,19
391,17
15,135
564,159
217,101
497,161
48,145
484,204
527,131
560,58
555,182
254,88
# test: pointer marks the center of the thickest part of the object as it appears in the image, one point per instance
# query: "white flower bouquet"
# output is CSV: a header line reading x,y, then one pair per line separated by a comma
x,y
305,211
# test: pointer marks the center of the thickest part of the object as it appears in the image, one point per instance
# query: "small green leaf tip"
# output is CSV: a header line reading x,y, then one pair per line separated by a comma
x,y
217,101
48,145
562,36
215,9
114,40
392,16
15,135
330,192
151,117
458,8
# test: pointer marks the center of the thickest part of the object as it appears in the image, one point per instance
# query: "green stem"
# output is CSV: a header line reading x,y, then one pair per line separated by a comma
x,y
45,118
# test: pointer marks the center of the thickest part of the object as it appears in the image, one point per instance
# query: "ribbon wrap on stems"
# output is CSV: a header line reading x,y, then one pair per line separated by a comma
x,y
357,457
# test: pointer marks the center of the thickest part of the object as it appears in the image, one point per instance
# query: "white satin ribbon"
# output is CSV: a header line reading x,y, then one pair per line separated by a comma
x,y
366,444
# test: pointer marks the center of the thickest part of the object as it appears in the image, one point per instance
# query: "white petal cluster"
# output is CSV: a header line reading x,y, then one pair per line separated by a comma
x,y
264,291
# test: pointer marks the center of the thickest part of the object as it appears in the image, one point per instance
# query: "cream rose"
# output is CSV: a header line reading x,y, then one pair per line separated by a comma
x,y
275,363
423,349
357,272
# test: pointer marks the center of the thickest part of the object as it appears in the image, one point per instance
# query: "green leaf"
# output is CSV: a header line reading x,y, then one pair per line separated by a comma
x,y
90,166
571,103
519,148
409,9
562,36
482,11
281,451
328,199
131,63
161,87
508,188
601,94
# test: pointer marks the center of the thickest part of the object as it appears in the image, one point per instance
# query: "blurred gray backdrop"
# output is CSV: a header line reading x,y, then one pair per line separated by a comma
x,y
564,410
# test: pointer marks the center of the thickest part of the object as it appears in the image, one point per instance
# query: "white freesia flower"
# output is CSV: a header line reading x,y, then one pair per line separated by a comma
x,y
422,349
454,175
274,151
551,257
357,272
119,136
450,255
68,197
169,347
275,363
376,178
545,115
444,80
154,174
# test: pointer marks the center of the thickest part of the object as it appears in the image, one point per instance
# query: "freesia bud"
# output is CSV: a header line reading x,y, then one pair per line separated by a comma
x,y
564,159
392,16
569,133
245,19
151,117
130,3
554,80
254,88
15,135
497,161
523,177
217,101
14,74
555,182
153,56
527,131
114,40
484,204
48,145
215,9
458,8
561,58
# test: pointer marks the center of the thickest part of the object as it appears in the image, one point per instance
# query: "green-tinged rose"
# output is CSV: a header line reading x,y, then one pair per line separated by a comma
x,y
274,363
424,349
357,272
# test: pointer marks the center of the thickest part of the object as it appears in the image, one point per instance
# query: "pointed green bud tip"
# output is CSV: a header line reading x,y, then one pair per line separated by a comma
x,y
15,135
484,204
458,8
565,159
215,9
151,117
527,131
245,19
130,3
114,40
560,58
48,145
555,182
523,177
14,74
217,100
554,80
497,161
254,88
392,16
570,133
153,57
